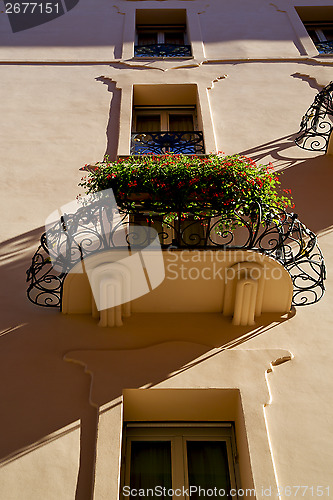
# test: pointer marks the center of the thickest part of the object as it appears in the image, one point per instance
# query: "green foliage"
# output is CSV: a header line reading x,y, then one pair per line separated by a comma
x,y
171,183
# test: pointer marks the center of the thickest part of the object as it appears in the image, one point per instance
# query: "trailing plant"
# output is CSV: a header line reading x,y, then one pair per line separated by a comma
x,y
172,183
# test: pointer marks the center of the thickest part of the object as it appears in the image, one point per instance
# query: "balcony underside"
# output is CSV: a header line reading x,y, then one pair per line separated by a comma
x,y
239,284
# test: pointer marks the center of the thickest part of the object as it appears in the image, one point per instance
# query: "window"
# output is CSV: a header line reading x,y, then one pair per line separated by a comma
x,y
318,22
170,129
177,456
320,31
161,33
149,119
150,35
166,118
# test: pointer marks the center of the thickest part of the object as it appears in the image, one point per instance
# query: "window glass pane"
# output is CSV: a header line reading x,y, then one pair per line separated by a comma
x,y
208,466
313,35
151,466
181,123
176,38
148,123
147,38
328,32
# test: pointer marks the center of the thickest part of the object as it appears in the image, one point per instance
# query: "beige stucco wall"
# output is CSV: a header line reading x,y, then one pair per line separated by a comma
x,y
67,97
46,469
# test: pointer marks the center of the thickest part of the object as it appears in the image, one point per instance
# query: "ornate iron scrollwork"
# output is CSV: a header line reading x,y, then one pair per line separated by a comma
x,y
163,142
324,47
162,50
45,288
317,125
94,229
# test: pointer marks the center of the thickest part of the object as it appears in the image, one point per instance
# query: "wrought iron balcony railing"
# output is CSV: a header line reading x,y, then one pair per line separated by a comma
x,y
167,142
162,50
325,47
93,229
317,124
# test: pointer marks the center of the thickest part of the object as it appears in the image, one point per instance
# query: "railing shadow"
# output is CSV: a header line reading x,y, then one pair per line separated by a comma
x,y
309,175
43,394
282,152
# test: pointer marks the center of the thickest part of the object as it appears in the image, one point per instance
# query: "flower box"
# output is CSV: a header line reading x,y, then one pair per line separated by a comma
x,y
192,185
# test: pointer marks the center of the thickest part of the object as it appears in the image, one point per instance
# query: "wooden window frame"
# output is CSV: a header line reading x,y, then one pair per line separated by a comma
x,y
318,28
178,434
164,112
160,30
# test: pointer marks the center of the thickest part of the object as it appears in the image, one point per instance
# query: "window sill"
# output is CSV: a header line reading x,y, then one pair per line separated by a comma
x,y
324,55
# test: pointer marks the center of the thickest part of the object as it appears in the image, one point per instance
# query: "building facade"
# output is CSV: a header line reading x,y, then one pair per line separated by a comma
x,y
88,411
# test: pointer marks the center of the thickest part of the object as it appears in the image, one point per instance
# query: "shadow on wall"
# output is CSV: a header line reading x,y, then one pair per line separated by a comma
x,y
43,393
166,357
23,19
311,184
310,180
81,23
278,150
67,23
112,130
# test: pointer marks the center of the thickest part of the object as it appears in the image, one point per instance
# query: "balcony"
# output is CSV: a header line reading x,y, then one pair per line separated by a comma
x,y
162,50
325,47
273,264
157,212
316,126
82,236
167,142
